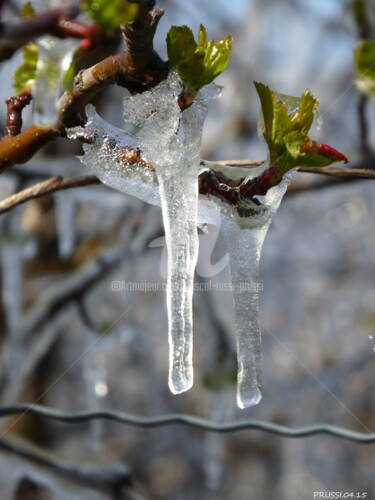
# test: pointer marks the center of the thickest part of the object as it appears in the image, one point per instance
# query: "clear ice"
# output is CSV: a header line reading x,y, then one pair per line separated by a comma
x,y
55,57
170,139
244,236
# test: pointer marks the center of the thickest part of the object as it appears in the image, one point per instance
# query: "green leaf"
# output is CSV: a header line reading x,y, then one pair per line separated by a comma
x,y
287,121
110,14
180,45
364,64
25,75
307,111
27,10
197,64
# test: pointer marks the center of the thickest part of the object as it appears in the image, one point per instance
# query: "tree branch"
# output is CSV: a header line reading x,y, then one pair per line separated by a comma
x,y
114,478
15,34
137,69
49,186
207,183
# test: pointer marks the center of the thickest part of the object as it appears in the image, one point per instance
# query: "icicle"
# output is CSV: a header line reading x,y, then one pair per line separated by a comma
x,y
171,141
244,237
54,59
244,247
175,154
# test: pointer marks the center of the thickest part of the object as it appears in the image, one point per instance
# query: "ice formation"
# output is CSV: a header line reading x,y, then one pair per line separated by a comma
x,y
167,143
54,59
170,139
244,236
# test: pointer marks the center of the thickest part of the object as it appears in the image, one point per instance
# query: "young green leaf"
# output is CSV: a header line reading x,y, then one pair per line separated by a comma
x,y
364,64
25,75
27,10
181,45
110,14
287,122
197,64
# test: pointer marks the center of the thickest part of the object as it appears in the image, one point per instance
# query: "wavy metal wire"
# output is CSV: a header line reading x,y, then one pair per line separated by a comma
x,y
188,420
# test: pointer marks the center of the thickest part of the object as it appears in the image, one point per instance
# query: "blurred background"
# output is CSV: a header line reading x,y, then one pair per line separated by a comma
x,y
72,340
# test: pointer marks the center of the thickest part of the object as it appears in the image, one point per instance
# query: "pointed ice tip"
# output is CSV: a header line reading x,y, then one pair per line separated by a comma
x,y
181,385
252,398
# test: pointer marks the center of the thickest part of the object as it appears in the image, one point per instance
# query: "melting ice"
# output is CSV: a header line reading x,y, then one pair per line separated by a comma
x,y
170,140
54,59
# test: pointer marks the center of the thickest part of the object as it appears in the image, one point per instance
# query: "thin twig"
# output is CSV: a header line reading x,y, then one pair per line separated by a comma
x,y
357,173
101,476
56,183
15,34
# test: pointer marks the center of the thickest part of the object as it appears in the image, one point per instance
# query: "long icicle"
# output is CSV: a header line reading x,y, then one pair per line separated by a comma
x,y
244,247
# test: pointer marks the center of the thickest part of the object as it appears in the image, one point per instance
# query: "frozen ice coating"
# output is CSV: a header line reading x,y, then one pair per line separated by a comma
x,y
55,57
167,142
244,238
175,154
170,139
106,152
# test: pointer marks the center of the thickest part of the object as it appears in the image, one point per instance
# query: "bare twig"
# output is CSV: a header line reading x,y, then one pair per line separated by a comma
x,y
52,305
15,34
57,183
43,188
113,478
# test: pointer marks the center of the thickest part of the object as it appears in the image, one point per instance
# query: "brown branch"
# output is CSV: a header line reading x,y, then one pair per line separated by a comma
x,y
22,147
362,173
15,34
214,183
49,186
137,69
364,170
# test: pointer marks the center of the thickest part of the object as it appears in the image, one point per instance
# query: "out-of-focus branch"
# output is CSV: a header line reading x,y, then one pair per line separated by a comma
x,y
58,22
43,188
104,477
363,125
53,304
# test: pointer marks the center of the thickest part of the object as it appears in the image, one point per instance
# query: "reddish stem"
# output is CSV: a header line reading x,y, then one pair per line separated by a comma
x,y
15,107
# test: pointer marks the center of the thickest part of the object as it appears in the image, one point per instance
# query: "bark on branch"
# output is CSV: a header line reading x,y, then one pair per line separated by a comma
x,y
137,68
207,184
